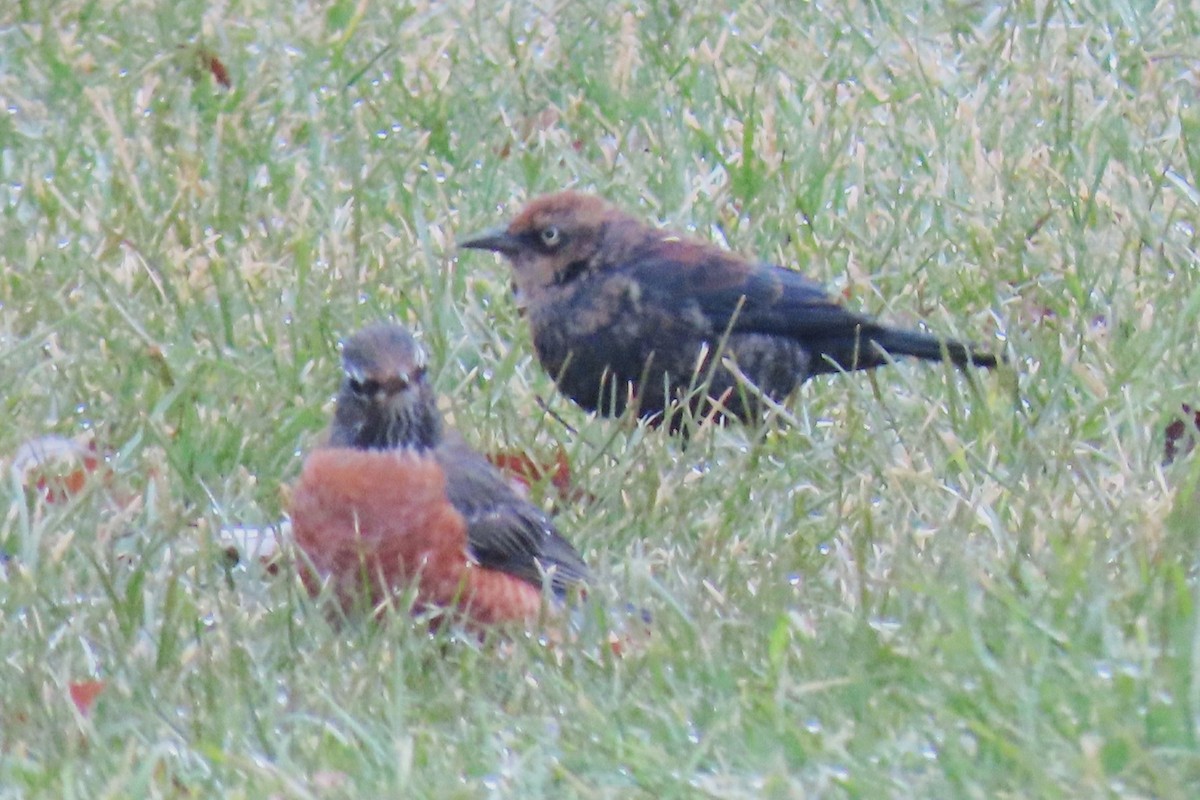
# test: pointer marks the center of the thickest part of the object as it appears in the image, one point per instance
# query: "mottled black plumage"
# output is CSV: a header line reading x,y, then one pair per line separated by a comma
x,y
623,313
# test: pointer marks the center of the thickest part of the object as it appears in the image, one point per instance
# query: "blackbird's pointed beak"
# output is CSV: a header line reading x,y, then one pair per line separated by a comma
x,y
498,240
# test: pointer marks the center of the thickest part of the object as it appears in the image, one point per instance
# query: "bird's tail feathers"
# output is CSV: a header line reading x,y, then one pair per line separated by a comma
x,y
876,345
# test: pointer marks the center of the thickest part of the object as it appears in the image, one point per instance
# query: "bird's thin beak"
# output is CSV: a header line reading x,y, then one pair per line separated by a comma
x,y
498,240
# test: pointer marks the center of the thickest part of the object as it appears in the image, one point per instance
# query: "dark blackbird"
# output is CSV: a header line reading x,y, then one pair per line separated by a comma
x,y
393,500
625,314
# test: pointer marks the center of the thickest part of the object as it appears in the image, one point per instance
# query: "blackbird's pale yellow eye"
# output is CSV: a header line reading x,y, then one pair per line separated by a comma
x,y
550,236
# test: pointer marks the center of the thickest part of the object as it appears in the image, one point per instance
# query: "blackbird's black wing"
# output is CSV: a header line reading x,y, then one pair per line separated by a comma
x,y
768,299
504,531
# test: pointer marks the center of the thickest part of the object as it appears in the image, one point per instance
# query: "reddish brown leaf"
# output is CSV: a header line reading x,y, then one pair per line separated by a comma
x,y
214,65
59,467
518,466
84,694
525,472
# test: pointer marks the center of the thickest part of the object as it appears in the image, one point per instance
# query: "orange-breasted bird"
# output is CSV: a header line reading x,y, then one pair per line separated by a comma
x,y
626,314
393,501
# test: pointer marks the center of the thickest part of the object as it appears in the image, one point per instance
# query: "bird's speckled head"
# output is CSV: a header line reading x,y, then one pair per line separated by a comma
x,y
385,401
553,241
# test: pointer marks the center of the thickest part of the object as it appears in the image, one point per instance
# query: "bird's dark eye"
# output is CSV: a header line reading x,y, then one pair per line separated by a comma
x,y
366,387
551,236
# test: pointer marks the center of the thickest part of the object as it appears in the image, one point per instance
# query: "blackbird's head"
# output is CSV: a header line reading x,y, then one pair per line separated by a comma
x,y
553,241
384,401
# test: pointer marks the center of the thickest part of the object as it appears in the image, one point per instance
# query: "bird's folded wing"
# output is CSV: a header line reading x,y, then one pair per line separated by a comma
x,y
504,531
758,298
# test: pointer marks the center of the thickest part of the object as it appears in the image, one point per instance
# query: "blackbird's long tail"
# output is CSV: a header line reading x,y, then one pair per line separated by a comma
x,y
867,347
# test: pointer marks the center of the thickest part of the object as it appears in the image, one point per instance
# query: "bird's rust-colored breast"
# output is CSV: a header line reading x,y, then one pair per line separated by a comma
x,y
372,522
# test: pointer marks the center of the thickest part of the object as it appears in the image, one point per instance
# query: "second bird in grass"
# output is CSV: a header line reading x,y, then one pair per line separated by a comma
x,y
626,314
394,502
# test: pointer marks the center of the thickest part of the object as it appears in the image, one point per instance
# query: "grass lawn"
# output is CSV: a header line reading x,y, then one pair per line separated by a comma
x,y
930,584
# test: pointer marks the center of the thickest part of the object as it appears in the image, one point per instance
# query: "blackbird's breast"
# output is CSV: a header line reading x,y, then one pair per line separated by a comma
x,y
605,338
